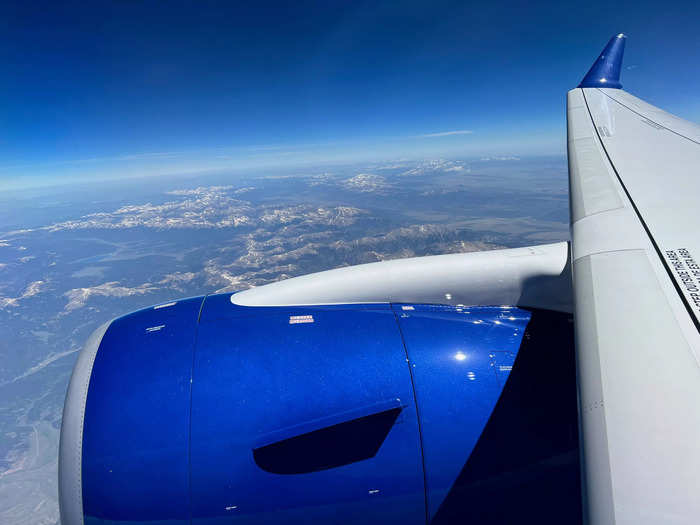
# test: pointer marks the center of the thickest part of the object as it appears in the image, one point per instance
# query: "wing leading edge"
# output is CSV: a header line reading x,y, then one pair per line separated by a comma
x,y
634,178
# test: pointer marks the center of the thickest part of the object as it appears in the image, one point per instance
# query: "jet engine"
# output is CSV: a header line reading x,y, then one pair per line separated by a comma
x,y
283,406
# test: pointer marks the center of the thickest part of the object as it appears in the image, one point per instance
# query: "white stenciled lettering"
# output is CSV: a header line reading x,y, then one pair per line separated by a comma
x,y
300,319
687,273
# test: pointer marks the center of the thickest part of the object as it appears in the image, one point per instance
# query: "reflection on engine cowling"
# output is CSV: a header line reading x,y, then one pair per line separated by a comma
x,y
203,411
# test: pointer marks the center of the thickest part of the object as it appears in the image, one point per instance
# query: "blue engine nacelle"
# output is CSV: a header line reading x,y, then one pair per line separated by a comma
x,y
203,411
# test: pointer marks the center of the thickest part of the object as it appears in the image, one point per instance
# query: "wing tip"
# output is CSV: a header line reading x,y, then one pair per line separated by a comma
x,y
605,71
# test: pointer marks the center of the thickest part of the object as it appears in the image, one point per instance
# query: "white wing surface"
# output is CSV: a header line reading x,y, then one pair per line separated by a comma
x,y
634,186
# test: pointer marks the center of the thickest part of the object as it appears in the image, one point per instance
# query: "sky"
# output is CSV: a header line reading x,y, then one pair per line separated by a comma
x,y
98,90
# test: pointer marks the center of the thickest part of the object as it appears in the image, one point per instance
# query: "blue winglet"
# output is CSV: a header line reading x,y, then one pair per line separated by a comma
x,y
605,71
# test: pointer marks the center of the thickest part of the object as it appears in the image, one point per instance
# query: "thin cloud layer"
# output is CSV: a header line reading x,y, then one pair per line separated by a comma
x,y
447,133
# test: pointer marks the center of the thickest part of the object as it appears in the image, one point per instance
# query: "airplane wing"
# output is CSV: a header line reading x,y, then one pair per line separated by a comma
x,y
634,183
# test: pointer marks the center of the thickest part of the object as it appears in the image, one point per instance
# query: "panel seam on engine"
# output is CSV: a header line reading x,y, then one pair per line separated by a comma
x,y
189,422
415,401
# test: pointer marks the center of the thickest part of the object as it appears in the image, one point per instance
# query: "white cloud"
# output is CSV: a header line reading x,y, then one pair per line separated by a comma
x,y
448,133
503,157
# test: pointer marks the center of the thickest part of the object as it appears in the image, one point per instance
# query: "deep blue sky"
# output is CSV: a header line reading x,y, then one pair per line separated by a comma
x,y
104,90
